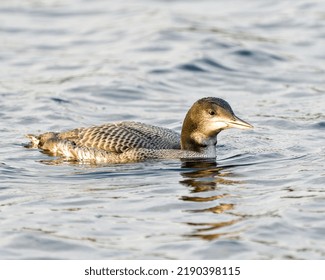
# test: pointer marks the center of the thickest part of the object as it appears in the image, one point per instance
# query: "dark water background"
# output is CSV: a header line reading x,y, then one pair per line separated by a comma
x,y
66,64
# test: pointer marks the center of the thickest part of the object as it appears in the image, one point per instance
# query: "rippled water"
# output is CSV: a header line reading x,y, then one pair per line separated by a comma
x,y
66,64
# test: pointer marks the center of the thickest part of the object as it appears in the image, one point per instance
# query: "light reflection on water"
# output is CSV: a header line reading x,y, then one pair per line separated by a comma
x,y
80,63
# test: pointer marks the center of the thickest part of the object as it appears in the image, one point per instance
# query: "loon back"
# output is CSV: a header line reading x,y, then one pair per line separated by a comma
x,y
123,136
111,137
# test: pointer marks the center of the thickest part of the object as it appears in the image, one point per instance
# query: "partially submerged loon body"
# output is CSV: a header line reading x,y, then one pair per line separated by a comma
x,y
134,141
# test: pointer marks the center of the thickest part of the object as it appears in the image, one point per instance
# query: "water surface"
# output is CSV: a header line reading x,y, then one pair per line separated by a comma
x,y
67,64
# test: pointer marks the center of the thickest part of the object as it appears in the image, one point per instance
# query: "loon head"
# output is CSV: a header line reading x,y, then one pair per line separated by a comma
x,y
205,119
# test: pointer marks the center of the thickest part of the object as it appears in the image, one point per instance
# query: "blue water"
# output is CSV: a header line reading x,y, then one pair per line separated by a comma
x,y
67,64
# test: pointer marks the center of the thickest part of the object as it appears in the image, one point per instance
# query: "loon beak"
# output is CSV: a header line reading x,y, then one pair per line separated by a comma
x,y
239,123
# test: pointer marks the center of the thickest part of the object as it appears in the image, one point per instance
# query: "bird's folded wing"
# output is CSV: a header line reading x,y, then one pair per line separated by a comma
x,y
123,136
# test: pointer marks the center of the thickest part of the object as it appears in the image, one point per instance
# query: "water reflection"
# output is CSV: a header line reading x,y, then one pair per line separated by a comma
x,y
202,230
204,177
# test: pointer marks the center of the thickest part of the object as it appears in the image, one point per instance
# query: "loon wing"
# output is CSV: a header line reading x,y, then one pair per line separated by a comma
x,y
123,136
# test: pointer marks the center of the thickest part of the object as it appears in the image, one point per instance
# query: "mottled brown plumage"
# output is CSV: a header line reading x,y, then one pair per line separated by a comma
x,y
123,136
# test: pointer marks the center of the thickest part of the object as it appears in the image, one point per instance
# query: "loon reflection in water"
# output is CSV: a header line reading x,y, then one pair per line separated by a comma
x,y
134,141
206,181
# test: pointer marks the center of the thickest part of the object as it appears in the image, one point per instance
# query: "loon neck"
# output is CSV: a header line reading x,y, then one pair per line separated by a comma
x,y
197,142
192,139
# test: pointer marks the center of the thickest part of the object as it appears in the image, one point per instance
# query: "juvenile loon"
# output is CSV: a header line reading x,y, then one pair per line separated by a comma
x,y
124,142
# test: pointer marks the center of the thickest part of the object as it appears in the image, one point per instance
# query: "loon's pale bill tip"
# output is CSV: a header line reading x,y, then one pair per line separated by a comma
x,y
239,123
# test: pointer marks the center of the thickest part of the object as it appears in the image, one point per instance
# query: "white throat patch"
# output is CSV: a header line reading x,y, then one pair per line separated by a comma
x,y
217,125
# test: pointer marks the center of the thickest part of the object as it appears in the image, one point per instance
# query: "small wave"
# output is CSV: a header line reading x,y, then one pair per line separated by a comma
x,y
204,65
59,100
258,56
215,64
191,67
319,125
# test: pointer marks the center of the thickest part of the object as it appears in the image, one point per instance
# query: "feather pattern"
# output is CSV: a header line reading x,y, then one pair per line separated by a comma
x,y
123,136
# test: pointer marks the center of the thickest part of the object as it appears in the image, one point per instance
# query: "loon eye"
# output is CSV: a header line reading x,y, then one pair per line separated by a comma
x,y
211,112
